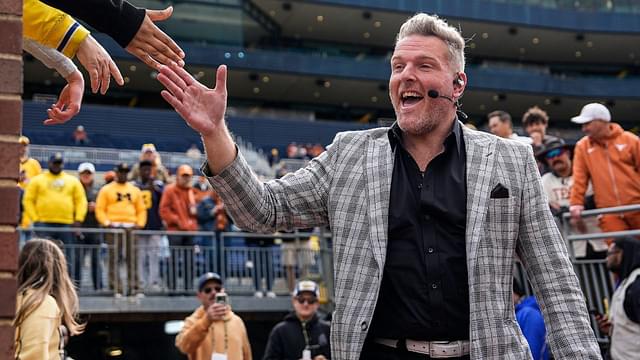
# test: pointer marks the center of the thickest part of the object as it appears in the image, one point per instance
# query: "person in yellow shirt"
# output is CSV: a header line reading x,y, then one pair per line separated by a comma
x,y
29,167
56,201
120,205
46,301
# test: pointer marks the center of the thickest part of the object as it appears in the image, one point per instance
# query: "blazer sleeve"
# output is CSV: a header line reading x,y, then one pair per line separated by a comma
x,y
52,27
297,200
116,18
544,255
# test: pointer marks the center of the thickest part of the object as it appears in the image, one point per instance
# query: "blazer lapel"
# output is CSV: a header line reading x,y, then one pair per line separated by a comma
x,y
480,160
379,170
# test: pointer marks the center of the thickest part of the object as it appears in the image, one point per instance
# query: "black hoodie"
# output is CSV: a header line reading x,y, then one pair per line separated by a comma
x,y
287,339
630,261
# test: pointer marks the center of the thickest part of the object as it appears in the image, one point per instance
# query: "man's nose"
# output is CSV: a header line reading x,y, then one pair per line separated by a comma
x,y
408,73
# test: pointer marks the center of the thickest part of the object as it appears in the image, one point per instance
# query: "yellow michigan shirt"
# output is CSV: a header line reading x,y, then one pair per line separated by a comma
x,y
120,203
55,199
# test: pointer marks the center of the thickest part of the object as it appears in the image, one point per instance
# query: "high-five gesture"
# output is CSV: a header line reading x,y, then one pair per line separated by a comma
x,y
202,108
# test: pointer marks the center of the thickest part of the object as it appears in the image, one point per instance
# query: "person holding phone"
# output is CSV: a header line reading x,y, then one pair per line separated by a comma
x,y
213,331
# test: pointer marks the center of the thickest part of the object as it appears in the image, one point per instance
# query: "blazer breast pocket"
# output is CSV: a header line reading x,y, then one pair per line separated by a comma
x,y
503,216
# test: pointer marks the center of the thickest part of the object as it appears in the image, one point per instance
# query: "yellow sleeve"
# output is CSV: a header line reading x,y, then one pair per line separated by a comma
x,y
193,332
141,210
80,201
101,206
246,346
29,199
38,330
52,27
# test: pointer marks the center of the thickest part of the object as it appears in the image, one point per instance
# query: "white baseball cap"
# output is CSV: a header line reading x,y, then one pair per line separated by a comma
x,y
590,112
86,166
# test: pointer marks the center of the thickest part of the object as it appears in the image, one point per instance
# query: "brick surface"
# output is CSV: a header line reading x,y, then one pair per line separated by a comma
x,y
8,297
9,208
9,251
10,124
11,111
11,7
11,39
10,76
10,160
6,342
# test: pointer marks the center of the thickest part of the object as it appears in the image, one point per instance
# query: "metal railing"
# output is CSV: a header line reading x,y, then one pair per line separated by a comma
x,y
142,262
597,283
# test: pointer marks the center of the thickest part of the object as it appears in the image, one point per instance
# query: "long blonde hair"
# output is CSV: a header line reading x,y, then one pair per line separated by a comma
x,y
42,268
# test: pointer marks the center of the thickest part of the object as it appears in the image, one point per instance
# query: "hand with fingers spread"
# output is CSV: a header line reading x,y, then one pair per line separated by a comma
x,y
203,109
152,45
69,101
99,65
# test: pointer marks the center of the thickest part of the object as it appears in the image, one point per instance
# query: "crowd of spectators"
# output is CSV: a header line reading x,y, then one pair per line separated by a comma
x,y
139,196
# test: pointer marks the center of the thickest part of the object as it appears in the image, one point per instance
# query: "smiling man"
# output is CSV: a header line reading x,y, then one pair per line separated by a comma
x,y
427,216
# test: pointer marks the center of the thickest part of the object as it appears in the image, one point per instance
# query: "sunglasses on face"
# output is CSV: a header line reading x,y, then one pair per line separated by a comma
x,y
309,301
209,289
554,153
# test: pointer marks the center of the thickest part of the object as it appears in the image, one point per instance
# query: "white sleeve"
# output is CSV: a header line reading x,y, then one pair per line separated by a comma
x,y
51,58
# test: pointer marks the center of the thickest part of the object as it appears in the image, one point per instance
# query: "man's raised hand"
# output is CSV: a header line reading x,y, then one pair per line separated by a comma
x,y
202,108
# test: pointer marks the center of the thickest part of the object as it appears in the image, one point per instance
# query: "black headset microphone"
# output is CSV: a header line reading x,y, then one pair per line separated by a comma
x,y
434,94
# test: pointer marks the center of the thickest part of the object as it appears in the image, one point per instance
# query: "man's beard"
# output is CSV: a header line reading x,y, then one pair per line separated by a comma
x,y
423,125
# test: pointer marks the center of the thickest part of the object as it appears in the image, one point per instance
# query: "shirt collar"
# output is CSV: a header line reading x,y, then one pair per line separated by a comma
x,y
395,135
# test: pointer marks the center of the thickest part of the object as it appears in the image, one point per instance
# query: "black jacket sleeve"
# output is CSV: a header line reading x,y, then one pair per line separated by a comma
x,y
116,18
274,350
632,301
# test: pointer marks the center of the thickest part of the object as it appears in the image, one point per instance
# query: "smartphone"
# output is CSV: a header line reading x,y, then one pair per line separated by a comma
x,y
221,299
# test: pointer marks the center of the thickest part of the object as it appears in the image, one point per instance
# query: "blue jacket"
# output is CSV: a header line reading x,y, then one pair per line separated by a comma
x,y
532,324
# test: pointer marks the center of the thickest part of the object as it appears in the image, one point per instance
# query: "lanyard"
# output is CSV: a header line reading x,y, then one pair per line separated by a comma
x,y
226,336
305,334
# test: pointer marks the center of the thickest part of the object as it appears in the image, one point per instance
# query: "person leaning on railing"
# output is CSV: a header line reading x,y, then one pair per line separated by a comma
x,y
120,206
610,158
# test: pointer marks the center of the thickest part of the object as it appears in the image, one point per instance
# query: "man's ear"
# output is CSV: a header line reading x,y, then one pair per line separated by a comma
x,y
459,84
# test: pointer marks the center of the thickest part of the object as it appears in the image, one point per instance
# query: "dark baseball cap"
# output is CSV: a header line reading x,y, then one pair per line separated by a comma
x,y
206,277
57,157
122,167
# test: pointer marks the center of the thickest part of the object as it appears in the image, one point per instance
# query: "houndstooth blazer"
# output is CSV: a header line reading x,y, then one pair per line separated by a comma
x,y
348,188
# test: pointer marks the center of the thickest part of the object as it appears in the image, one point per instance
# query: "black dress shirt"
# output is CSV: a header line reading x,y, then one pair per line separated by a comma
x,y
425,293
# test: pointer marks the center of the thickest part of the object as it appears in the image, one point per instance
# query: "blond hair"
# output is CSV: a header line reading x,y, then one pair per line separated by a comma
x,y
42,268
431,25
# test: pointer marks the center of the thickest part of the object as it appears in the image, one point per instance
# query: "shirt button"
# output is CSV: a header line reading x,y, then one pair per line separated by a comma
x,y
419,186
430,250
426,217
364,326
434,286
